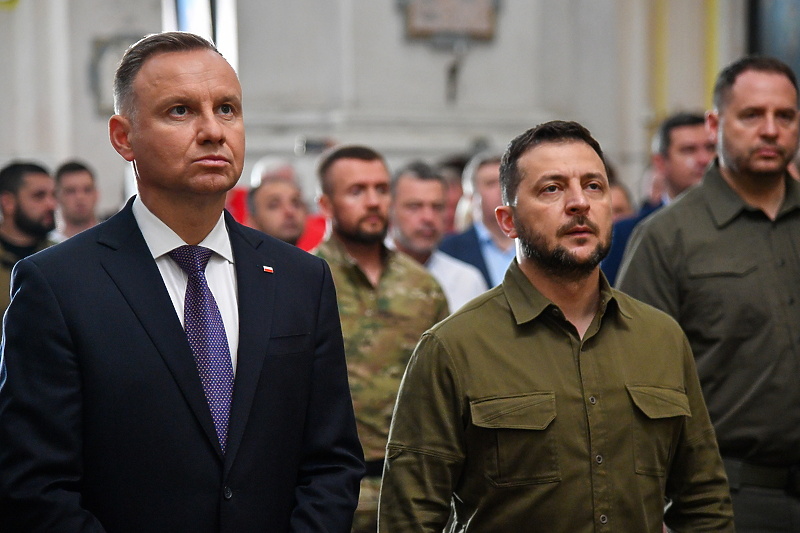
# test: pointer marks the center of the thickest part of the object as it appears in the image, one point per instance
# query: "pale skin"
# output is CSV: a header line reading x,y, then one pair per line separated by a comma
x,y
359,199
279,210
77,196
186,141
561,181
757,135
487,188
620,205
691,149
417,216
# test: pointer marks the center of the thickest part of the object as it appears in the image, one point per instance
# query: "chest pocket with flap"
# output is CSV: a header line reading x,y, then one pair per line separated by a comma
x,y
520,446
658,420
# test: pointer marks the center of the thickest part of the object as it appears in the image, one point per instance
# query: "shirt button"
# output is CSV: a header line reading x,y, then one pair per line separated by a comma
x,y
227,493
603,519
599,459
791,300
781,262
592,400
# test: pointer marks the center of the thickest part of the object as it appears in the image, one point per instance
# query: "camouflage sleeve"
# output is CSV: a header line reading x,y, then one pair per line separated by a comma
x,y
441,303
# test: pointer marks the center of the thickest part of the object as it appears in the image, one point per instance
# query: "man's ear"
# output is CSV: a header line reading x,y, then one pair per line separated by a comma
x,y
659,163
712,123
8,203
324,203
505,219
119,130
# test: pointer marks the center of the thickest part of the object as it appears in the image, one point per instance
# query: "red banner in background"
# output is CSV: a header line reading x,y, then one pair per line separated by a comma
x,y
236,204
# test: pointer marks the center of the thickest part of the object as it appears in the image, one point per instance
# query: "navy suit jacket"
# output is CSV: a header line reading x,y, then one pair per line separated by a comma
x,y
103,422
467,247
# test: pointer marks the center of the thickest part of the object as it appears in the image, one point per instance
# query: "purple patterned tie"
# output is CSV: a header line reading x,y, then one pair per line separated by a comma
x,y
206,334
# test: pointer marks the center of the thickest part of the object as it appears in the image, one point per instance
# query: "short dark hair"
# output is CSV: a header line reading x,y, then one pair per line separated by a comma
x,y
727,77
12,175
555,131
663,138
351,151
141,51
72,166
419,170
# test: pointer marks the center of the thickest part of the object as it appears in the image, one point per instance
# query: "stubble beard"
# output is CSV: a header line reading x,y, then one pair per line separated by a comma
x,y
741,164
558,261
408,243
78,220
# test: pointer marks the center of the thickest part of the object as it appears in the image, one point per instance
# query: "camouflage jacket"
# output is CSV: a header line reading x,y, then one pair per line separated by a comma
x,y
381,326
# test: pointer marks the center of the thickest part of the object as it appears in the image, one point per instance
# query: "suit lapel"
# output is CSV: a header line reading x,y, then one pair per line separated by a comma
x,y
130,265
256,296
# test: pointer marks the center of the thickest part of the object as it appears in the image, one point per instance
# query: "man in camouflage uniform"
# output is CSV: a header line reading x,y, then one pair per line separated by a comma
x,y
386,301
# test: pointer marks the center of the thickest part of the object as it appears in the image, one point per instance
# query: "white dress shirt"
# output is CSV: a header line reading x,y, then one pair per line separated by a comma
x,y
460,281
220,271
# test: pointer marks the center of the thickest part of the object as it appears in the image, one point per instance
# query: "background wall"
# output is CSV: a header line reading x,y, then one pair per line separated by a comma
x,y
344,71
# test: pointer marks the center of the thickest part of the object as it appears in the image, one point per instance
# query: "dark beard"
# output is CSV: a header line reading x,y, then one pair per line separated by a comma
x,y
362,237
32,227
557,261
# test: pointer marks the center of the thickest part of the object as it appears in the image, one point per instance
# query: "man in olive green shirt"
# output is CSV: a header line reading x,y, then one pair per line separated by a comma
x,y
386,301
724,261
553,403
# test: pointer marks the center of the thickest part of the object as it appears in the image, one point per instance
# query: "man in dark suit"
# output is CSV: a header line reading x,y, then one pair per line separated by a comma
x,y
127,407
483,244
682,149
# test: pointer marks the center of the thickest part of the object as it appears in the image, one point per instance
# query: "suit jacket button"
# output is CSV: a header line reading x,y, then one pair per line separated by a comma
x,y
227,493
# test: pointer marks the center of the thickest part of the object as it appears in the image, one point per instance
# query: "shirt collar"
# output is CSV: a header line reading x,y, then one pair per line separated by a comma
x,y
339,252
725,204
482,232
161,239
527,303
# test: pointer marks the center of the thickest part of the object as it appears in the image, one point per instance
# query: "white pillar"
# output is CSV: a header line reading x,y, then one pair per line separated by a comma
x,y
60,85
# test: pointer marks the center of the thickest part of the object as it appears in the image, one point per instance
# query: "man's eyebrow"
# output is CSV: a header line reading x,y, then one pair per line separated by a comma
x,y
596,175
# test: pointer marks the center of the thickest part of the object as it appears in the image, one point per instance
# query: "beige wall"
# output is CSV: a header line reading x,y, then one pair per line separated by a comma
x,y
343,69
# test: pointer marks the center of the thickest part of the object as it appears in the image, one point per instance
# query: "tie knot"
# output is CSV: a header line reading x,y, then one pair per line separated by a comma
x,y
192,259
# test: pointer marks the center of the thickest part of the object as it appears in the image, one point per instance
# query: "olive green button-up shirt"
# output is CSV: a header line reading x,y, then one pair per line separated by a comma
x,y
730,276
527,427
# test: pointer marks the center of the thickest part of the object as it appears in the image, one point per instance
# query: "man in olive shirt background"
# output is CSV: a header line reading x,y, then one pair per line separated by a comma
x,y
724,261
386,300
553,403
